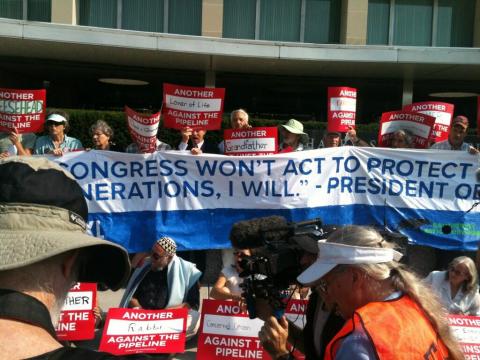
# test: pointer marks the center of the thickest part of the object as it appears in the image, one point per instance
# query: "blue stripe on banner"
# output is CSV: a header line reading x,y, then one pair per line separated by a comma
x,y
209,229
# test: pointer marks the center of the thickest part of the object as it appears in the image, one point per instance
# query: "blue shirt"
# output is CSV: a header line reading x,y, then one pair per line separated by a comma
x,y
44,145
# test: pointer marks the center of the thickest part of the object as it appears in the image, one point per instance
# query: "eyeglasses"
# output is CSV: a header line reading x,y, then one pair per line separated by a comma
x,y
155,256
322,284
53,123
458,272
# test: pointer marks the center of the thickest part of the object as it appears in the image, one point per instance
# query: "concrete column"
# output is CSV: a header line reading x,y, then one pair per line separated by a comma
x,y
212,18
64,12
407,93
353,27
476,25
210,78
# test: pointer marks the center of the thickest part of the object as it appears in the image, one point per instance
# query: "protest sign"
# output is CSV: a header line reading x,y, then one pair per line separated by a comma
x,y
418,124
143,129
467,331
295,312
77,321
134,199
342,107
442,112
227,333
22,109
133,331
195,107
252,141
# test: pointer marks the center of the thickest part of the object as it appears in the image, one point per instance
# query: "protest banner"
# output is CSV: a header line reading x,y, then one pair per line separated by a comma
x,y
227,333
252,141
342,107
466,329
418,124
134,199
143,129
136,331
442,112
77,321
195,107
23,110
296,311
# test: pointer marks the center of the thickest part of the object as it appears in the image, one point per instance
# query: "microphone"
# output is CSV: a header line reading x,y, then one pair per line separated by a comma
x,y
257,232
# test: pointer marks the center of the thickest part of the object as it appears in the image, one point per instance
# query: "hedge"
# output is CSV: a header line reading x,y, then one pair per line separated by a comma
x,y
82,120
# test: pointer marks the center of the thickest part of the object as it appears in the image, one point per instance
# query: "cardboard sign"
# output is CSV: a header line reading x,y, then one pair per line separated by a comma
x,y
77,321
253,141
418,124
227,333
296,311
143,129
195,107
467,331
442,112
342,107
133,331
22,109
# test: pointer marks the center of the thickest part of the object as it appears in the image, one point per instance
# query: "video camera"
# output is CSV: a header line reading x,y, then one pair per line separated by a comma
x,y
277,247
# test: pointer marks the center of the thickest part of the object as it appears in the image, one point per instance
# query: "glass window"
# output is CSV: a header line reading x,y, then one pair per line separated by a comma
x,y
378,22
143,15
98,13
12,9
239,19
185,17
413,22
280,20
455,23
322,21
39,10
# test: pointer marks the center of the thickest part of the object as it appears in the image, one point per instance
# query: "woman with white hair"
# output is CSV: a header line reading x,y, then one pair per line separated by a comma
x,y
389,312
457,286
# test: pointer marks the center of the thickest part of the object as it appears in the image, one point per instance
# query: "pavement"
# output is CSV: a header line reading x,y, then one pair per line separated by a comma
x,y
108,299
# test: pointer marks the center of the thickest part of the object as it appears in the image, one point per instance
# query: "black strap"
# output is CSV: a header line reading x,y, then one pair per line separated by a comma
x,y
25,308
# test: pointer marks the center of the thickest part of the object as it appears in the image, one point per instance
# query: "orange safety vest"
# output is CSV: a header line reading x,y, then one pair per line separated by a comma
x,y
398,329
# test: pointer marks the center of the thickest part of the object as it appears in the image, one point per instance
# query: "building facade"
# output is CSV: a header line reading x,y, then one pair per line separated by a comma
x,y
275,58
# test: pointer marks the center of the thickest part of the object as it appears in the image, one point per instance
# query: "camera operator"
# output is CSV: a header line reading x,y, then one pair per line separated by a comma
x,y
321,324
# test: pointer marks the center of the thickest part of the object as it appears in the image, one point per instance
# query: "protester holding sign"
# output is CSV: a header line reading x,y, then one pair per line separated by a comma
x,y
359,274
456,137
294,139
56,142
165,281
457,287
194,140
238,120
43,250
402,139
13,143
102,136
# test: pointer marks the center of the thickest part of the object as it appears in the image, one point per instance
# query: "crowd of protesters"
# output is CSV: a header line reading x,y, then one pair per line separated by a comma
x,y
41,259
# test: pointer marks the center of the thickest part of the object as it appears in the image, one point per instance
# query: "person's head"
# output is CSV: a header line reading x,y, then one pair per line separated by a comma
x,y
198,135
462,272
402,139
239,119
331,139
101,134
163,252
57,123
458,130
292,133
238,255
43,244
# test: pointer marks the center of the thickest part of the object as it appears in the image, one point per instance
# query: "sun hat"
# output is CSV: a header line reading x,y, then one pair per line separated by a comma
x,y
167,244
460,120
333,254
294,126
42,214
56,118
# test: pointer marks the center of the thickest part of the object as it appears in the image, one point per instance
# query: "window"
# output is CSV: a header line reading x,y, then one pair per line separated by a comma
x,y
98,13
455,23
378,22
37,10
280,20
185,17
143,15
239,19
413,22
322,21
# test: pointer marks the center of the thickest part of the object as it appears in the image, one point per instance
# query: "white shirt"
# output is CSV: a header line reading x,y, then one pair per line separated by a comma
x,y
445,145
233,280
462,303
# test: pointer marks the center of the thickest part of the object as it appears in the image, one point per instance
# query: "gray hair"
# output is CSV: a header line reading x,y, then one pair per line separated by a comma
x,y
407,134
103,127
401,279
232,114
